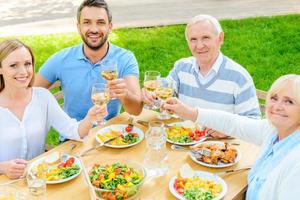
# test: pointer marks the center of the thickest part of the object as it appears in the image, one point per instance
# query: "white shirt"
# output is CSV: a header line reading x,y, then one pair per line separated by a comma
x,y
26,139
282,182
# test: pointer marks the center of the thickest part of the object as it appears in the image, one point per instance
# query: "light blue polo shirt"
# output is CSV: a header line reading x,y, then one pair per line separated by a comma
x,y
77,75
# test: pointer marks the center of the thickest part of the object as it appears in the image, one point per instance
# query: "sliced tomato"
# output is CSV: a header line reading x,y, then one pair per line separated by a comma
x,y
180,190
61,165
69,162
197,138
191,134
129,128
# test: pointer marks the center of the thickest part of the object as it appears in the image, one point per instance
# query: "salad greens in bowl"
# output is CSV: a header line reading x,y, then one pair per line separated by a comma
x,y
117,179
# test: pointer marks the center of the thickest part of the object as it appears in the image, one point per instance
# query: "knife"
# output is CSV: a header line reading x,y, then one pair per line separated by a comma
x,y
233,171
124,133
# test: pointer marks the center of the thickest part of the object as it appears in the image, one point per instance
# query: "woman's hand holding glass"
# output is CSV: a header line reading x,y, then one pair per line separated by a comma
x,y
100,98
174,105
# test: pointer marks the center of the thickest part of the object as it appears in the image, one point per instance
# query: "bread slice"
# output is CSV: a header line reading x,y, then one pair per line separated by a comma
x,y
53,158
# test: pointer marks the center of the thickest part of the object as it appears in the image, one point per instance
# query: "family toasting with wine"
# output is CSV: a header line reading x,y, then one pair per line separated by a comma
x,y
98,77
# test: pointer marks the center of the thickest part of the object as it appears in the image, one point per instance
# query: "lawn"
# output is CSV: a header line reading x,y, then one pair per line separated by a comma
x,y
267,47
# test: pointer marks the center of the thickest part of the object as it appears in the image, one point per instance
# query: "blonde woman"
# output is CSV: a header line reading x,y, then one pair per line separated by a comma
x,y
276,173
27,113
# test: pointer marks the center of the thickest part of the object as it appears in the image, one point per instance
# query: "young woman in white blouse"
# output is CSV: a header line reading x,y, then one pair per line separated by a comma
x,y
27,113
276,172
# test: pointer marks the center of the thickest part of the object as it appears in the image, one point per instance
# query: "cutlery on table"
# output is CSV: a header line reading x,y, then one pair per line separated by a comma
x,y
233,171
123,134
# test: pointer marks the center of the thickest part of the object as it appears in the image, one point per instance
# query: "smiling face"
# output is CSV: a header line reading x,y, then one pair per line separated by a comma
x,y
204,42
94,27
17,68
283,111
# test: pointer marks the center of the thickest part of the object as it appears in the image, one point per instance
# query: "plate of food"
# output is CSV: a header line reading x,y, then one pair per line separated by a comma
x,y
55,170
184,133
116,179
133,135
203,185
215,154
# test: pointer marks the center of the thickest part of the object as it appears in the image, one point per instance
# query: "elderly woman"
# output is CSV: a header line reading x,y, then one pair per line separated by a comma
x,y
27,113
276,173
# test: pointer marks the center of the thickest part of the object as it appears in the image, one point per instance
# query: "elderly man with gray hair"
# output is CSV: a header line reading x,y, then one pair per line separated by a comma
x,y
209,79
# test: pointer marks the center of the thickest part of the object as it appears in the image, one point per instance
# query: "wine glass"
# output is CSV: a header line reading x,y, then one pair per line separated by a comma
x,y
100,97
151,82
163,92
109,70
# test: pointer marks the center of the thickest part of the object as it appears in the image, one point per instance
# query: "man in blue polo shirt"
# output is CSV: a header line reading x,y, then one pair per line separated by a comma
x,y
79,67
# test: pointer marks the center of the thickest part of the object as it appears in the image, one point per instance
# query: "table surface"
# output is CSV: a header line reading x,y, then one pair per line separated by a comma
x,y
155,188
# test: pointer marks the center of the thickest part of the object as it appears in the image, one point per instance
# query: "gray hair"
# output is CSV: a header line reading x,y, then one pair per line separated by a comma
x,y
200,18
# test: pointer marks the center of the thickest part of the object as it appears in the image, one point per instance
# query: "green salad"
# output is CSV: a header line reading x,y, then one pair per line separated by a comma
x,y
198,194
119,181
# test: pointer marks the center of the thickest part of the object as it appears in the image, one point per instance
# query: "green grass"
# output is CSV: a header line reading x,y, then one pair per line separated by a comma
x,y
267,47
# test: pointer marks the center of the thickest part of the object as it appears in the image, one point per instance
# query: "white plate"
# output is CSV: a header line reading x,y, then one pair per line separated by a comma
x,y
237,159
186,124
76,162
204,175
120,127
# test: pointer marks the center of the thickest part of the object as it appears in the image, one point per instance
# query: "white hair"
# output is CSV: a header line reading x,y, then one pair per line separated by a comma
x,y
208,18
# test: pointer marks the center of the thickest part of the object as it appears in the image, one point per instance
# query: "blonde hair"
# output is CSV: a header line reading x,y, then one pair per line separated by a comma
x,y
6,48
200,18
290,82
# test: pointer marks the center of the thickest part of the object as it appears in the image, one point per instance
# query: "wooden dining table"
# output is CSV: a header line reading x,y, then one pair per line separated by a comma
x,y
154,188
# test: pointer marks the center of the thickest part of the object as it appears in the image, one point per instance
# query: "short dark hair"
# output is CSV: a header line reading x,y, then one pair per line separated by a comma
x,y
94,3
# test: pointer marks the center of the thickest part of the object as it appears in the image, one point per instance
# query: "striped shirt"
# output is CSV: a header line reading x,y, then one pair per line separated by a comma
x,y
230,89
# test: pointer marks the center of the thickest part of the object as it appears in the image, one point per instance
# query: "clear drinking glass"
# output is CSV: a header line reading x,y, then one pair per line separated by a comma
x,y
100,97
163,92
109,70
155,159
151,82
8,192
37,185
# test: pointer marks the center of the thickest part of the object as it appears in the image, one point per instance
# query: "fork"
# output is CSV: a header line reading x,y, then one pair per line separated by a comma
x,y
201,152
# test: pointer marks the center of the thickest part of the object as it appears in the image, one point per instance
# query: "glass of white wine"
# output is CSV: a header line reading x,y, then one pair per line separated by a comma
x,y
109,70
100,97
163,92
151,82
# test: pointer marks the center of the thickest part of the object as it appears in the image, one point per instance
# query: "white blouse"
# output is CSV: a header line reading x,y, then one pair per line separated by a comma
x,y
26,138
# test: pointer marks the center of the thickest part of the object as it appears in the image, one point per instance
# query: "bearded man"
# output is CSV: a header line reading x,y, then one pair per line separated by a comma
x,y
79,67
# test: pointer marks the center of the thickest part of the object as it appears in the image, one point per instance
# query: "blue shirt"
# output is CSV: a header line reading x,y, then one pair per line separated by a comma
x,y
77,75
272,154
